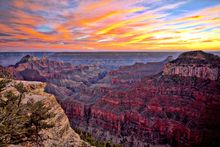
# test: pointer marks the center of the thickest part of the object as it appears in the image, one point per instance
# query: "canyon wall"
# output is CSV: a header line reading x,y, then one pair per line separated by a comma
x,y
204,72
164,110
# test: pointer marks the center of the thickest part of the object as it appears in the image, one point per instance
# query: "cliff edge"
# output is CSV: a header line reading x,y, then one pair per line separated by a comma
x,y
194,64
61,134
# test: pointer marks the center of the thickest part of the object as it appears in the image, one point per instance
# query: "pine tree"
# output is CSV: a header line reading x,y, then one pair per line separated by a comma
x,y
21,123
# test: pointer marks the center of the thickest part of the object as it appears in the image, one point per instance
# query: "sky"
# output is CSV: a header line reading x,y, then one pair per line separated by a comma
x,y
109,25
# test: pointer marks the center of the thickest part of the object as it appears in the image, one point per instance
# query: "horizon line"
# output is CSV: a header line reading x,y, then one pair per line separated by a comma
x,y
108,51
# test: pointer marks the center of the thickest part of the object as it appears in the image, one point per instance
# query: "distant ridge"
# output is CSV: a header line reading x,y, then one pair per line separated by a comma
x,y
201,55
194,64
198,57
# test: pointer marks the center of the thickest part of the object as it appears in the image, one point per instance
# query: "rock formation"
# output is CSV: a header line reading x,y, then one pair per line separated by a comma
x,y
61,134
195,64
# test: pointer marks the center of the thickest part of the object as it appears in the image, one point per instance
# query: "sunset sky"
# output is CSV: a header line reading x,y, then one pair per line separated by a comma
x,y
109,25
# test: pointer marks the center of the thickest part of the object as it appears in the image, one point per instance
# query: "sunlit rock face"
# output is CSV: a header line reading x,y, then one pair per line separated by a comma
x,y
61,134
194,64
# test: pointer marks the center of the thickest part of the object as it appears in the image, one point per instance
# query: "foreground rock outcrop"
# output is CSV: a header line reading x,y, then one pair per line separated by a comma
x,y
61,134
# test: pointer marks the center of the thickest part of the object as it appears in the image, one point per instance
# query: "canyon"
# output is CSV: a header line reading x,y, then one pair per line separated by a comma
x,y
174,102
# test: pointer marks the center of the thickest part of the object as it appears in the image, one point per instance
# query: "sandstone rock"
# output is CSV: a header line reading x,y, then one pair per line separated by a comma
x,y
61,134
195,64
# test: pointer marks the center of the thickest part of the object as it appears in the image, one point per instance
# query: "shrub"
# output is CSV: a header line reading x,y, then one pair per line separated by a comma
x,y
21,123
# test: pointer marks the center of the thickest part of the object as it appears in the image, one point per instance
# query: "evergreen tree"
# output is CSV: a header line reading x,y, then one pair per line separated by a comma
x,y
21,123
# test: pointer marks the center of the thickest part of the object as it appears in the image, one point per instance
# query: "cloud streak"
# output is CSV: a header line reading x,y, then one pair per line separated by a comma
x,y
108,25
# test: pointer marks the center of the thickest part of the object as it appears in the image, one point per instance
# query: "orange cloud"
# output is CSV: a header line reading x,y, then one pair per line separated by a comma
x,y
99,18
94,5
190,18
109,24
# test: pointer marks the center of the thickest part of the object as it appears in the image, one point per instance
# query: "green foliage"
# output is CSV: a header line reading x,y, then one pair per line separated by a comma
x,y
3,83
4,73
21,123
20,88
88,138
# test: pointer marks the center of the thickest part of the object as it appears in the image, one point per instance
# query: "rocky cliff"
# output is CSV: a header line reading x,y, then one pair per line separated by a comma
x,y
61,134
195,64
